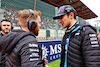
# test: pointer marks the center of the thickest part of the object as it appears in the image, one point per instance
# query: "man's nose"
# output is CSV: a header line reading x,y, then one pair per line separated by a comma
x,y
7,26
40,26
59,20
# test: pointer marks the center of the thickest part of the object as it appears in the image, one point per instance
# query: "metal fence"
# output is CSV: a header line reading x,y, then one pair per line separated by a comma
x,y
49,27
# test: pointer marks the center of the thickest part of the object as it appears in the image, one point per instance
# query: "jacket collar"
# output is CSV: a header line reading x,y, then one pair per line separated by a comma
x,y
72,27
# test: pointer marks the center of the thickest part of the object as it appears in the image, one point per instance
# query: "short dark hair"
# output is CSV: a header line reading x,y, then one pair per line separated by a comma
x,y
5,20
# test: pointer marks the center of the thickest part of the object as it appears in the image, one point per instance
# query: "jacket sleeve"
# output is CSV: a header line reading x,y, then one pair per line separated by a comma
x,y
31,54
90,48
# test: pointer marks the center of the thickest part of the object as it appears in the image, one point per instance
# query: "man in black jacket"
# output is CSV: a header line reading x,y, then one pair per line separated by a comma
x,y
5,29
21,46
80,46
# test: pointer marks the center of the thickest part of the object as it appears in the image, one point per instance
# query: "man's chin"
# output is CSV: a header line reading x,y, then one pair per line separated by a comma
x,y
36,34
6,32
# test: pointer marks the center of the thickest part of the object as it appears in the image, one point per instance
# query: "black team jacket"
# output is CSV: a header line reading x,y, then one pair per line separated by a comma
x,y
22,49
83,48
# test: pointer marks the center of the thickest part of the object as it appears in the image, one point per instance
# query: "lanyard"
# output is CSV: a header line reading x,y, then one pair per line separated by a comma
x,y
67,44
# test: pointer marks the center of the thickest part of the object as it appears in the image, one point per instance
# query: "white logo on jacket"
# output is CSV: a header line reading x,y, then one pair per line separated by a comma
x,y
77,34
34,52
94,40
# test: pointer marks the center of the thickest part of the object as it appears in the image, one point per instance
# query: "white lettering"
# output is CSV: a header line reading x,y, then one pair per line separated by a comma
x,y
34,55
51,58
93,38
95,45
33,45
77,33
92,35
37,50
68,8
59,55
56,56
94,42
52,51
31,59
59,48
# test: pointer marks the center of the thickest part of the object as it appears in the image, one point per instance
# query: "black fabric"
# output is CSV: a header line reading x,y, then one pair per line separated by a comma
x,y
2,59
20,49
63,48
80,50
2,56
1,35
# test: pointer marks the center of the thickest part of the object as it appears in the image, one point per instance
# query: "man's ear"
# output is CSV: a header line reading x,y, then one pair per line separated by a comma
x,y
71,15
20,26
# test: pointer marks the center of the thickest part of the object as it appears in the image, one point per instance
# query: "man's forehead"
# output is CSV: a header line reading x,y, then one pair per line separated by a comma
x,y
5,22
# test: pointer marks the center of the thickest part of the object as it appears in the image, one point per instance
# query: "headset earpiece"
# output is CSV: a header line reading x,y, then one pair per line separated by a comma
x,y
12,27
31,24
0,28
